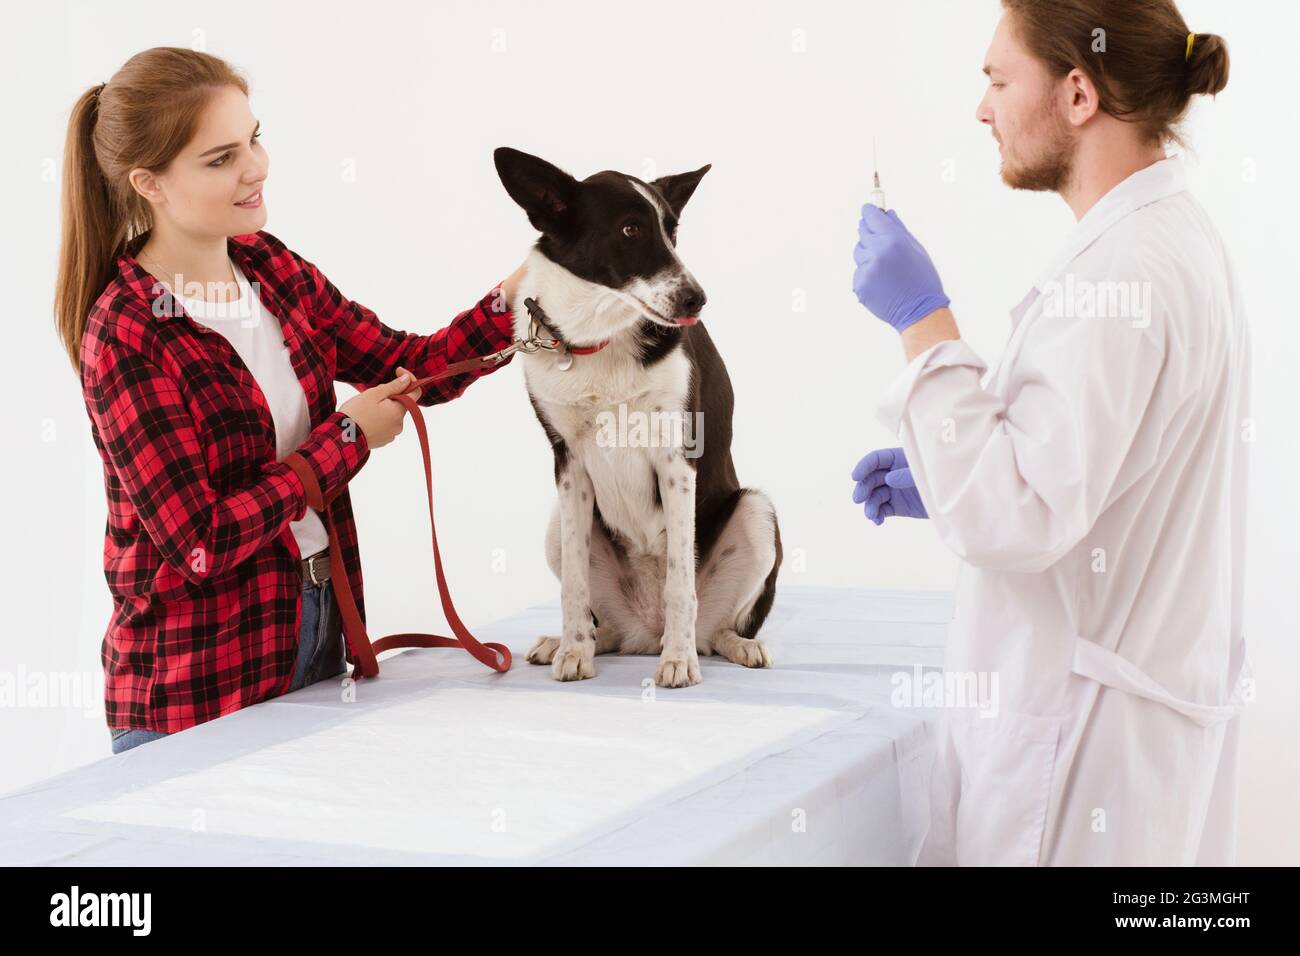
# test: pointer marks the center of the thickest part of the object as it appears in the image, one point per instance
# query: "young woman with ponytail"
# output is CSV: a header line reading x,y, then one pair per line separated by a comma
x,y
208,352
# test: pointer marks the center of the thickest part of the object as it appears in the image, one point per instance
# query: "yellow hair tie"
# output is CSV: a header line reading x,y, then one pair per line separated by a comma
x,y
1191,38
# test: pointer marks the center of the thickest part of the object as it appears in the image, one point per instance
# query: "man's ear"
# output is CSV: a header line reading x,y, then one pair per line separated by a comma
x,y
677,189
1082,99
545,192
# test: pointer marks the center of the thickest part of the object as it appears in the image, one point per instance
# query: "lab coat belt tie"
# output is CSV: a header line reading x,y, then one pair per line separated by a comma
x,y
1093,661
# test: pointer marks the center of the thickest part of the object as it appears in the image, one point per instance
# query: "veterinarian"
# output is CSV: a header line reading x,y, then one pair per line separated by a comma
x,y
1095,485
208,353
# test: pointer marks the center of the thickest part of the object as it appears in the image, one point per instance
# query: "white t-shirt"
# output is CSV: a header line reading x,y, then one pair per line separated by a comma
x,y
256,335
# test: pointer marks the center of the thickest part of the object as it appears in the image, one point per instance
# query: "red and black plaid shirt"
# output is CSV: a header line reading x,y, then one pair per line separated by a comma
x,y
203,568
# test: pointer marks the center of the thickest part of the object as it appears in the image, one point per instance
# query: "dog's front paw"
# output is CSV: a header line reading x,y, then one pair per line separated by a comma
x,y
543,651
572,662
678,670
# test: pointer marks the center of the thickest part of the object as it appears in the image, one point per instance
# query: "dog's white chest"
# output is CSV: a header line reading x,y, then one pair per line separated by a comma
x,y
610,412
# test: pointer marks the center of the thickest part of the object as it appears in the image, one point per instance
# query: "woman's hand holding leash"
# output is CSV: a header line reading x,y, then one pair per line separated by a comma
x,y
376,414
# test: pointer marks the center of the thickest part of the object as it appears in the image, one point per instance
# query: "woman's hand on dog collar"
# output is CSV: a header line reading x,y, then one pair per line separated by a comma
x,y
511,283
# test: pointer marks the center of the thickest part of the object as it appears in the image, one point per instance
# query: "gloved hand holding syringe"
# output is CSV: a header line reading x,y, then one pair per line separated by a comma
x,y
894,278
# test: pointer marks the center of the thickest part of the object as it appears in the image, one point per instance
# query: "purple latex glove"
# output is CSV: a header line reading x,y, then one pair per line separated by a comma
x,y
895,278
884,482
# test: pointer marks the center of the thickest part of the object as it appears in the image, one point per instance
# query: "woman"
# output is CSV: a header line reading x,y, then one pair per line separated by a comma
x,y
207,352
1095,484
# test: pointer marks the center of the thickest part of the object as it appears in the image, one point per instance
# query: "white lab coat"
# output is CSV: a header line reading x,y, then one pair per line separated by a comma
x,y
1095,488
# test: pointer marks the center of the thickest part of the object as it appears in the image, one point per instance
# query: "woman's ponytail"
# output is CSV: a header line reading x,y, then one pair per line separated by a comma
x,y
91,231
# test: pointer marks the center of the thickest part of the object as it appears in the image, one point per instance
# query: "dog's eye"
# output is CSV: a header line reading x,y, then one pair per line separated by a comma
x,y
632,230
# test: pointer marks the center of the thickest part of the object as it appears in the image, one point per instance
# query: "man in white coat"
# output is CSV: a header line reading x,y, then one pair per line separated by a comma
x,y
1095,484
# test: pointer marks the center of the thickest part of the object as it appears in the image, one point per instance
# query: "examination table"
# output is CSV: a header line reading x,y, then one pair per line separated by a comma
x,y
443,761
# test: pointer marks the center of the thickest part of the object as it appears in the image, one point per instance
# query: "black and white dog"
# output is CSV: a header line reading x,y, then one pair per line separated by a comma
x,y
657,547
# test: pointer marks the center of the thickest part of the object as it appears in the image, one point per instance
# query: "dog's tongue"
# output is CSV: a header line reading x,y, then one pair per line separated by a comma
x,y
686,319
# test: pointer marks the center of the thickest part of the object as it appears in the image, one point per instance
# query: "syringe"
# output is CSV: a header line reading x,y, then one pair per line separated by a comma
x,y
877,194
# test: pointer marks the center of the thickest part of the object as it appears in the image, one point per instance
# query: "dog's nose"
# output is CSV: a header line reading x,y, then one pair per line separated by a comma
x,y
693,301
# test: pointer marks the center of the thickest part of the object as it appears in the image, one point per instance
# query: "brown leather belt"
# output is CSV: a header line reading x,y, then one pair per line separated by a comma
x,y
316,569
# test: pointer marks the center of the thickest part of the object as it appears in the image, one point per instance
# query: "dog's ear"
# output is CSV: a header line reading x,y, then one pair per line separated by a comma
x,y
545,192
679,188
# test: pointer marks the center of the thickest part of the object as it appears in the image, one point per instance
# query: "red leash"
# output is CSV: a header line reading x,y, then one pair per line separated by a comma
x,y
364,651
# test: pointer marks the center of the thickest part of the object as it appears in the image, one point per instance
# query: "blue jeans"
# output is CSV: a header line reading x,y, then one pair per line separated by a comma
x,y
320,654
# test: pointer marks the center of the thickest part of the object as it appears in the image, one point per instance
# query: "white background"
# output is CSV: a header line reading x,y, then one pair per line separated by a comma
x,y
784,100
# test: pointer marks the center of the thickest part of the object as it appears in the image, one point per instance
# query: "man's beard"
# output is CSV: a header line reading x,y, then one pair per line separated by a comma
x,y
1050,170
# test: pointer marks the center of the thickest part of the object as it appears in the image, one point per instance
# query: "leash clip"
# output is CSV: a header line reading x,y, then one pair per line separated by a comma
x,y
534,342
529,345
536,325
